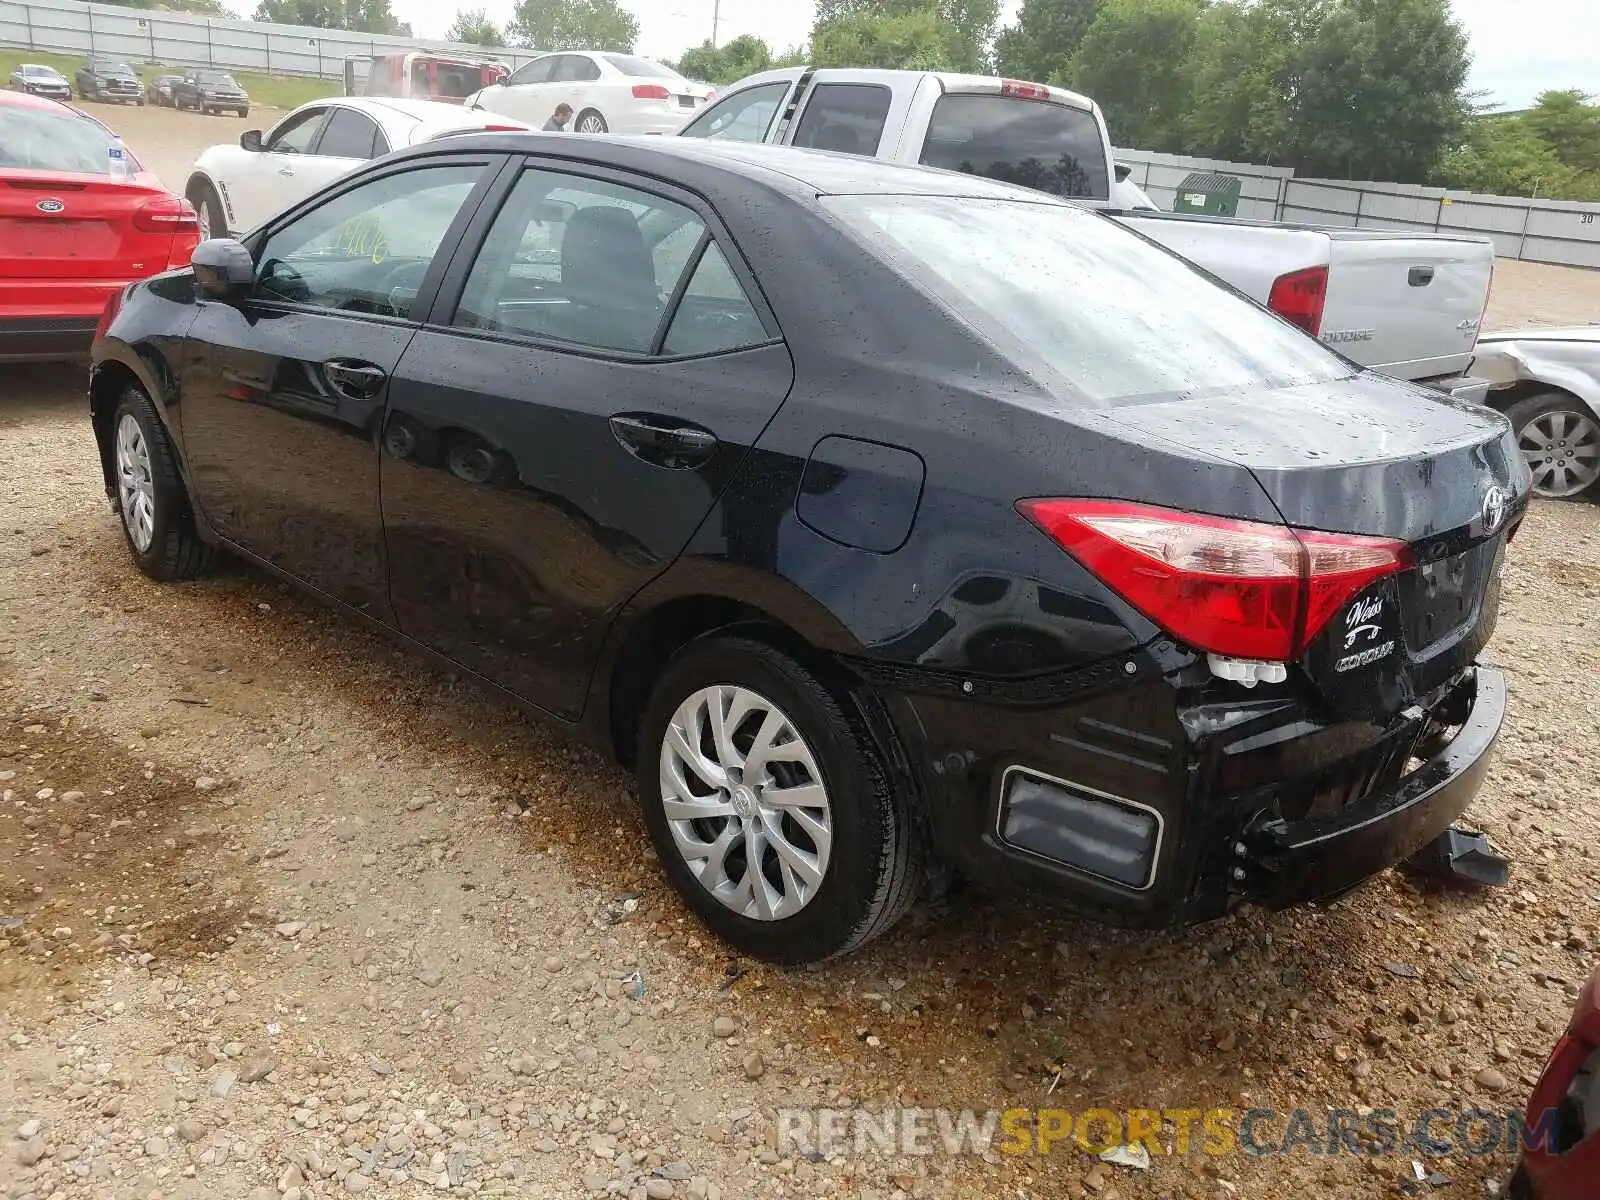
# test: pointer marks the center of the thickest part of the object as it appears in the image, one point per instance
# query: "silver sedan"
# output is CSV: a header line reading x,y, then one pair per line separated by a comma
x,y
1548,382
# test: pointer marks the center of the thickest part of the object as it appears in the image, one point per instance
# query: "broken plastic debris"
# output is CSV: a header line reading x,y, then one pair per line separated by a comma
x,y
1136,1157
10,922
274,1029
1247,671
634,985
1463,857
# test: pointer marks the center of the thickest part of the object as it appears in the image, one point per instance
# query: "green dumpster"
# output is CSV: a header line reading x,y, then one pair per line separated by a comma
x,y
1212,195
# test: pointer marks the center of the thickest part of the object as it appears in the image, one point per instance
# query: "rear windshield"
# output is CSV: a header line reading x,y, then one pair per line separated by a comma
x,y
1049,147
641,67
1116,317
41,140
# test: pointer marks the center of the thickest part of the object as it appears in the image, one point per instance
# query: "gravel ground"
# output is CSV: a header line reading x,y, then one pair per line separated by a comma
x,y
302,917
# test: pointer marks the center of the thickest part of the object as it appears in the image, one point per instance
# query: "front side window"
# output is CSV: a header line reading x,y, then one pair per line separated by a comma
x,y
538,71
1117,319
1032,143
581,261
366,250
297,132
349,135
847,118
742,117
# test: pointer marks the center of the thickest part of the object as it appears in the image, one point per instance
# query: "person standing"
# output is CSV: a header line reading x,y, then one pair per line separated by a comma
x,y
558,120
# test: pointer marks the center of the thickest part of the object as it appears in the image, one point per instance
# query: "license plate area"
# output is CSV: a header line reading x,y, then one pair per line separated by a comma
x,y
58,239
1441,598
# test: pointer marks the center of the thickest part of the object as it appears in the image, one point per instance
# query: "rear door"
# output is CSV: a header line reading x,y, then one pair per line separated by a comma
x,y
851,112
596,368
1406,305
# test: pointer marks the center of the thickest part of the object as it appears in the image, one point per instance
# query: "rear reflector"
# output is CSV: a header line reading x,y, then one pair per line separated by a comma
x,y
1079,827
166,214
1299,297
1024,91
650,91
1237,588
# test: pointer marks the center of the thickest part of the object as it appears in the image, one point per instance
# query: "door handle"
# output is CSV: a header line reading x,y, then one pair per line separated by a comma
x,y
358,380
664,442
286,169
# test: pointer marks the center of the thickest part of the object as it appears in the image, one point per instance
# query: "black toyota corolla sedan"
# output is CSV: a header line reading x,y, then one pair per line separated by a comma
x,y
879,518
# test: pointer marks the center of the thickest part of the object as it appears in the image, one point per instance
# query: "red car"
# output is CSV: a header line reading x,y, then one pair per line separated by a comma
x,y
74,231
1565,1164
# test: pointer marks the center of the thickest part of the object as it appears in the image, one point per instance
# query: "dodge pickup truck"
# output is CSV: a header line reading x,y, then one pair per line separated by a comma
x,y
1409,305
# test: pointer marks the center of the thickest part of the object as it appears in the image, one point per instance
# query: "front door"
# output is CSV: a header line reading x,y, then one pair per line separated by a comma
x,y
556,435
264,182
281,421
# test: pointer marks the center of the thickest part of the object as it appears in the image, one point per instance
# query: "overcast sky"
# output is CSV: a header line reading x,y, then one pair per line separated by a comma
x,y
1520,47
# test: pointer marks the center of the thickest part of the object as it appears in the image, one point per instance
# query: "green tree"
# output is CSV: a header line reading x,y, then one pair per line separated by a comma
x,y
724,64
1503,156
912,41
1570,125
575,25
362,16
1135,60
967,26
1046,35
1381,91
473,26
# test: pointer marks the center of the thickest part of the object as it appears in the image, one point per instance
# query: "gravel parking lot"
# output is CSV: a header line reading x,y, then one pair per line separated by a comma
x,y
301,916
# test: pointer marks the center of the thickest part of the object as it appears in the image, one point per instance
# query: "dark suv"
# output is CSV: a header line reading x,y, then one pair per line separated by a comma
x,y
210,92
108,79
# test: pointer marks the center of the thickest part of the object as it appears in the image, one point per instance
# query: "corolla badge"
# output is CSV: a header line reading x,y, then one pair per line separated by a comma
x,y
50,206
1495,502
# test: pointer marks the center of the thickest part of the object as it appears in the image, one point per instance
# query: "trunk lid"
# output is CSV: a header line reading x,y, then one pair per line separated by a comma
x,y
67,225
1408,306
1378,458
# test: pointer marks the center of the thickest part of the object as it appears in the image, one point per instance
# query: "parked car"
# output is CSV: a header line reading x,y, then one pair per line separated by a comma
x,y
1564,1110
1548,382
1409,305
161,90
447,78
39,80
109,79
616,93
238,186
210,92
71,236
588,418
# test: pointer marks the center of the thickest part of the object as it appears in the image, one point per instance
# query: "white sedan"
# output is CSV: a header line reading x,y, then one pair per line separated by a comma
x,y
1548,382
609,93
234,188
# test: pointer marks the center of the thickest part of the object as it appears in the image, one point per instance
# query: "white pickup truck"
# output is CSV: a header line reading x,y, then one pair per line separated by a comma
x,y
1407,304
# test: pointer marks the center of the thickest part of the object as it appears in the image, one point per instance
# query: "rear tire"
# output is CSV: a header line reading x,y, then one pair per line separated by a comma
x,y
1559,436
590,121
153,504
213,221
853,834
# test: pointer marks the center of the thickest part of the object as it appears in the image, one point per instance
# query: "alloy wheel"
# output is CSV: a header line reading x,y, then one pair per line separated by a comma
x,y
1562,449
136,490
745,802
593,123
204,208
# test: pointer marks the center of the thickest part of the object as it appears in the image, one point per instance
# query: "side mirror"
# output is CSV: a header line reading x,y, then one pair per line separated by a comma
x,y
1123,171
250,140
223,270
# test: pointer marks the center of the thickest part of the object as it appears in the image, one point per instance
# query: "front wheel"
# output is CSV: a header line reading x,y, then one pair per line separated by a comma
x,y
157,519
590,121
770,807
1559,437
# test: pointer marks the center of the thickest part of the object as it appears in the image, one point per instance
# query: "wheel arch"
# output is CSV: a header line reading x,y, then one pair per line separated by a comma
x,y
112,375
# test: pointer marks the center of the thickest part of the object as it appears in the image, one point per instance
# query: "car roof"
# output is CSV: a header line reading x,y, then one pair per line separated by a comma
x,y
28,100
787,168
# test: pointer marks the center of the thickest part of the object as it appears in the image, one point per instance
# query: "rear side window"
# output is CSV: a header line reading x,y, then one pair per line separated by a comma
x,y
1049,147
41,140
574,68
714,314
742,117
348,135
844,117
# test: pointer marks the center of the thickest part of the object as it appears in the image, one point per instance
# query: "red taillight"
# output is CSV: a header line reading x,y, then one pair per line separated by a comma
x,y
166,214
710,96
1236,588
1299,297
504,129
650,91
108,314
1024,91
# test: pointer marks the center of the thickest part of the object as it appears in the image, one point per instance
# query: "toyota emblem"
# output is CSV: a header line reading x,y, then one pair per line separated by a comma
x,y
1495,501
50,206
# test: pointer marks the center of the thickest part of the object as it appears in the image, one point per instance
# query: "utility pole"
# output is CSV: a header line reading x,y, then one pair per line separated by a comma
x,y
716,20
